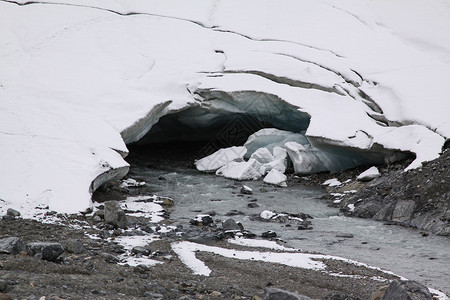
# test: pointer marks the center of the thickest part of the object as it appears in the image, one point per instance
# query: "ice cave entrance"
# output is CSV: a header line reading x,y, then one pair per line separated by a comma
x,y
273,126
209,129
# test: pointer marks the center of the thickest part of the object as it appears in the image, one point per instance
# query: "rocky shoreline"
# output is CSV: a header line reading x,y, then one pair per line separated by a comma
x,y
418,198
90,262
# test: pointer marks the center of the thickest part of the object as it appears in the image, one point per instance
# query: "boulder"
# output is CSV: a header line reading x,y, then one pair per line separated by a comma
x,y
114,215
231,226
13,213
45,250
11,245
406,290
278,294
269,234
201,220
74,246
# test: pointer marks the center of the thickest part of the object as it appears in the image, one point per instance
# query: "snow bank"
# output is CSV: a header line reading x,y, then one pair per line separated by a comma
x,y
79,81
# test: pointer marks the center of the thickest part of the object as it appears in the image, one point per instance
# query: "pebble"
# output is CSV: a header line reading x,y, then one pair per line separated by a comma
x,y
269,234
246,190
252,205
345,235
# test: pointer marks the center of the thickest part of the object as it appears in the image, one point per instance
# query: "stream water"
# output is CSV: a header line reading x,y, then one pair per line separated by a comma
x,y
401,250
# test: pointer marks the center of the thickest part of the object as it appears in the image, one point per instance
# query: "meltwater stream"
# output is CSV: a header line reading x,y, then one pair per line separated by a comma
x,y
401,250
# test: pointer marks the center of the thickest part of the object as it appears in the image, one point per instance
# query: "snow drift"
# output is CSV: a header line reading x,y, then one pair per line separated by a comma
x,y
81,79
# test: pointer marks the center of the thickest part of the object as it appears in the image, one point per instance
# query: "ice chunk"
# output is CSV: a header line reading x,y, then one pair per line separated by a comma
x,y
269,161
279,153
270,138
248,170
220,158
263,155
304,159
332,182
267,214
276,177
369,174
307,159
278,164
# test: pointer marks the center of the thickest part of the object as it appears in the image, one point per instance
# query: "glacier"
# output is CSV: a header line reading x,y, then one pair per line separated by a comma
x,y
80,80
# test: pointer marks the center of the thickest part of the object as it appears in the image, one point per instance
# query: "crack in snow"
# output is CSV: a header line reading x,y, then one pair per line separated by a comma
x,y
286,80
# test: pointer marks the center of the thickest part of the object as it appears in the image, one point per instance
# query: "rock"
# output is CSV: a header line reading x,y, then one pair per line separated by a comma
x,y
215,294
201,220
11,245
97,219
141,269
140,251
234,213
74,246
114,215
4,297
153,295
406,290
248,234
269,234
344,235
3,286
339,297
369,174
109,258
252,205
45,250
403,210
100,213
278,294
13,213
246,190
164,201
230,226
303,227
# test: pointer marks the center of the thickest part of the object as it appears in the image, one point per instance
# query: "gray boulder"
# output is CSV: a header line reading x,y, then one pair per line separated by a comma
x,y
406,290
231,226
13,213
278,294
45,250
74,246
11,245
114,215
